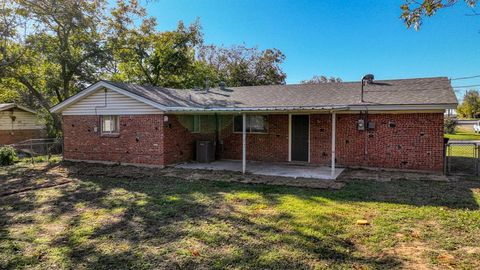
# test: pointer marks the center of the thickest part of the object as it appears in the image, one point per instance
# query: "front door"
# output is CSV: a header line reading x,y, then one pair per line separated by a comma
x,y
300,130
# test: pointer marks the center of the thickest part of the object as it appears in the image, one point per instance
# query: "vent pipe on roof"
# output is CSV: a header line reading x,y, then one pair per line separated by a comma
x,y
207,85
222,85
366,79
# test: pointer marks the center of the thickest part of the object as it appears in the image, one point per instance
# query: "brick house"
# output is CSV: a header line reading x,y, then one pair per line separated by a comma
x,y
395,124
18,123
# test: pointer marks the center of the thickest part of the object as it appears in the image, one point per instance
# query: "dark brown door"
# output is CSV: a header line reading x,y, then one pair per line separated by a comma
x,y
300,137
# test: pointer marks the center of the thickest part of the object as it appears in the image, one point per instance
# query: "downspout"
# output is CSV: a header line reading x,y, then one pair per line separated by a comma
x,y
366,133
98,107
334,135
244,142
217,138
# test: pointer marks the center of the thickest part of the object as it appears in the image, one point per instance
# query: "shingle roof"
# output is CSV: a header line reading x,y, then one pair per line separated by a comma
x,y
421,91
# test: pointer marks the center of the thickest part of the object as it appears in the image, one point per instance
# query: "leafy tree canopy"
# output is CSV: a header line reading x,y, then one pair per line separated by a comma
x,y
470,106
413,11
322,79
52,49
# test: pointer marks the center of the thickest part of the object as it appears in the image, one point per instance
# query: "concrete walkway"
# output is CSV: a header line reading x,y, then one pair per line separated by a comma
x,y
270,169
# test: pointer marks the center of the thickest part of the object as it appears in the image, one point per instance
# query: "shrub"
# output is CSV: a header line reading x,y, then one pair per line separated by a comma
x,y
7,155
449,125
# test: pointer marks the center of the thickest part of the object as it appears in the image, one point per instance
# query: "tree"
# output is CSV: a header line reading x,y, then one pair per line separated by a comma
x,y
59,51
243,66
470,106
52,49
317,79
166,59
414,11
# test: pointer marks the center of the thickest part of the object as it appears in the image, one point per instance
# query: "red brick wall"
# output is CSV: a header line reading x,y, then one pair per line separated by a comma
x,y
180,142
18,135
416,141
320,138
272,146
140,140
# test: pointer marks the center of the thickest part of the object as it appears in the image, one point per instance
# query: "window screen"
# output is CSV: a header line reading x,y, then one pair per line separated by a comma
x,y
255,124
196,123
110,124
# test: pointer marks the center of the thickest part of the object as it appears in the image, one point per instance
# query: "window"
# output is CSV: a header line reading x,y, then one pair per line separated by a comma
x,y
110,124
196,124
255,123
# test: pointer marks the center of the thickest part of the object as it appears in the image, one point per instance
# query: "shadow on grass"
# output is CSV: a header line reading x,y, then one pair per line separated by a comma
x,y
454,194
164,222
461,165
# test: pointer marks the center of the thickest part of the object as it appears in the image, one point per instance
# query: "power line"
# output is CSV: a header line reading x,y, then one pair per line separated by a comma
x,y
465,78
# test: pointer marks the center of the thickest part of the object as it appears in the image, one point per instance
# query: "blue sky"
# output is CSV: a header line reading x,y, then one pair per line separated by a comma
x,y
337,38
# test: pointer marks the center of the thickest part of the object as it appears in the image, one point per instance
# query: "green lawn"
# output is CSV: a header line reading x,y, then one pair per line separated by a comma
x,y
463,136
167,222
461,150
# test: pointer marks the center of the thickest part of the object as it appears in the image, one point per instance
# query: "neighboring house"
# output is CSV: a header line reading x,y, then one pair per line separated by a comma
x,y
18,123
399,123
468,125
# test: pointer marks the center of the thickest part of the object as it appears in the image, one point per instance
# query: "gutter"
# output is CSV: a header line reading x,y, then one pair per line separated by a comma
x,y
254,109
363,107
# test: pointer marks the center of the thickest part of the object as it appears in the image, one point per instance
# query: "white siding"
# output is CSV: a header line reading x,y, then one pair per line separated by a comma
x,y
23,120
109,103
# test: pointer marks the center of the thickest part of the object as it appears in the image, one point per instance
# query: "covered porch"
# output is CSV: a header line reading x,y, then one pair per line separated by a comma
x,y
299,138
288,143
281,169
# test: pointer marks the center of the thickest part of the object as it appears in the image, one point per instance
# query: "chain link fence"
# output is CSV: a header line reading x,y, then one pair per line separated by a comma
x,y
39,149
462,158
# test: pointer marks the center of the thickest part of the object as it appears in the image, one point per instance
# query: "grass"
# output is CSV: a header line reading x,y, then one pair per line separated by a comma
x,y
463,136
40,159
167,222
461,150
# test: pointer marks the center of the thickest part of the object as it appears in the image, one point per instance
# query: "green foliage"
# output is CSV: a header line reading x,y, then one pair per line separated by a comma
x,y
8,95
7,155
414,11
470,106
243,66
322,79
449,125
52,49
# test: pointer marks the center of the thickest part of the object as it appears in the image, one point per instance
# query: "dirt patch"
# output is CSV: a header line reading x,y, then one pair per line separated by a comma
x,y
387,176
412,255
37,177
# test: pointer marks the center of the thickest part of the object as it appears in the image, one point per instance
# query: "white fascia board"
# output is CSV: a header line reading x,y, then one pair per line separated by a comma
x,y
25,109
59,107
8,107
402,107
13,105
256,109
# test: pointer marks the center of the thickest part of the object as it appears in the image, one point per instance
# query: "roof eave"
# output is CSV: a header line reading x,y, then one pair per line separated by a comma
x,y
61,106
14,105
360,107
399,107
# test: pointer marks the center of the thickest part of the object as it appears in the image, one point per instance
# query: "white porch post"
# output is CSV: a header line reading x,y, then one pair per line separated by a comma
x,y
289,137
334,120
244,142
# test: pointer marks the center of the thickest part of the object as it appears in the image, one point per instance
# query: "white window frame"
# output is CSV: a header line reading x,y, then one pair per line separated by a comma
x,y
248,129
115,119
196,123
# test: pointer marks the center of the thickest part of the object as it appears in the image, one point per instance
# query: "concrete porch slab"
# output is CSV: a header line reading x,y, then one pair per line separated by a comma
x,y
265,168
